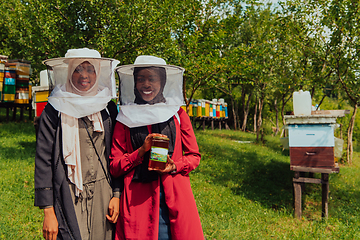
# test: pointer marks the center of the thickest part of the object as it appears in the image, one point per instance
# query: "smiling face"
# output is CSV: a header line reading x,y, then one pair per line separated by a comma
x,y
148,83
84,76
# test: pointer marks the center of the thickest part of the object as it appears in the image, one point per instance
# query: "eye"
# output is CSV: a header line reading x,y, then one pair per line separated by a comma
x,y
154,79
141,80
90,70
79,69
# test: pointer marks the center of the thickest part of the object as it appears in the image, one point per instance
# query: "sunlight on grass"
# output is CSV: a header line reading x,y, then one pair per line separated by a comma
x,y
243,190
19,218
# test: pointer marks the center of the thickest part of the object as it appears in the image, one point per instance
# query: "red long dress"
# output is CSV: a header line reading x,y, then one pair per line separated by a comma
x,y
140,202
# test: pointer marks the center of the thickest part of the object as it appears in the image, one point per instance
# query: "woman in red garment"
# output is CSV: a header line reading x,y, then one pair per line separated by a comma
x,y
155,204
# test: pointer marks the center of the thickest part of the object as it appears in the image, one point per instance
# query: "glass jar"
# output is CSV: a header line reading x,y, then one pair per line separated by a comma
x,y
159,152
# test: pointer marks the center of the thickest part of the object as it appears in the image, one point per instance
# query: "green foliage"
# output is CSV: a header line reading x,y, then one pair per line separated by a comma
x,y
38,30
244,51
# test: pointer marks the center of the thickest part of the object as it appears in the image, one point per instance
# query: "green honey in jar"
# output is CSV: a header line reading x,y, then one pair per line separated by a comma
x,y
159,152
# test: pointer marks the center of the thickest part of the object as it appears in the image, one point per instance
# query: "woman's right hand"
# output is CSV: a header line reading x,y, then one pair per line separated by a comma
x,y
147,143
50,224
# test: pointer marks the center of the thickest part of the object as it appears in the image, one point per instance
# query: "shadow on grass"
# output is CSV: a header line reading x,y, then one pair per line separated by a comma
x,y
17,141
17,128
20,151
356,148
270,142
235,137
253,171
26,117
261,173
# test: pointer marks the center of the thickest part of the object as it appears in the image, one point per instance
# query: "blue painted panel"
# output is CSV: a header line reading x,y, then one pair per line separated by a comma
x,y
311,135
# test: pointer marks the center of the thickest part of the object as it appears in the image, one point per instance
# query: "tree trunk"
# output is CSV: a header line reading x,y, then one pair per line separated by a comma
x,y
255,114
349,150
246,112
276,117
284,101
234,113
187,101
259,121
243,107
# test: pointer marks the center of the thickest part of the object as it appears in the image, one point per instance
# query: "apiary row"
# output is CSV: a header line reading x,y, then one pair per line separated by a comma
x,y
14,81
217,108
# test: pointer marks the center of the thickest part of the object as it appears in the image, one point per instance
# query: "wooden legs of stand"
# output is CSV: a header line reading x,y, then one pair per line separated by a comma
x,y
325,195
297,195
299,184
209,122
13,107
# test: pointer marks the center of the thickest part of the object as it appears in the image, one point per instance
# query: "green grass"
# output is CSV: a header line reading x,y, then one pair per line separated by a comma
x,y
19,219
242,190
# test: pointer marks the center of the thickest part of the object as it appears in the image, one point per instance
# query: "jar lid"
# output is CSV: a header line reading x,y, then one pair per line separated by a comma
x,y
161,138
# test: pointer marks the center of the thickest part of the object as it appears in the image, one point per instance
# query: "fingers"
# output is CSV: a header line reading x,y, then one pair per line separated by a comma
x,y
50,224
169,160
113,218
170,166
114,207
148,142
50,235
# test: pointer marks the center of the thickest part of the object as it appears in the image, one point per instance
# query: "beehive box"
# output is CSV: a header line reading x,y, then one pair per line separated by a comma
x,y
22,67
312,140
312,145
40,97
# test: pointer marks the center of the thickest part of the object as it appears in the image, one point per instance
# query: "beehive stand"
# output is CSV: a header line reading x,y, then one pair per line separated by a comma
x,y
312,151
13,106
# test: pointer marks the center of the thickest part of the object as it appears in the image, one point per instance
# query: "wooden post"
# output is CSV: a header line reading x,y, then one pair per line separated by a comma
x,y
219,124
30,110
212,124
21,112
226,125
203,123
7,114
14,114
325,195
297,195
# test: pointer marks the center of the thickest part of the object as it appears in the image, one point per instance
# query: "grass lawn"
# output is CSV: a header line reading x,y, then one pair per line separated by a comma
x,y
243,190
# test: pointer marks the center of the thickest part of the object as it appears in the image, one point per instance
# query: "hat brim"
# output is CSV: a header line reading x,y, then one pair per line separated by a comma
x,y
129,69
60,61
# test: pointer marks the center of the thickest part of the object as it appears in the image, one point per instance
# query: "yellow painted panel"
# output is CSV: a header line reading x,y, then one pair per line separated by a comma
x,y
41,96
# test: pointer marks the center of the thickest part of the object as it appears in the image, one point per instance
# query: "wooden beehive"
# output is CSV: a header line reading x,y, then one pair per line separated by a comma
x,y
311,141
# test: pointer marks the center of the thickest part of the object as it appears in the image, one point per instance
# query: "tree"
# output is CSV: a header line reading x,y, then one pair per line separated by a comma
x,y
301,55
41,29
198,46
342,19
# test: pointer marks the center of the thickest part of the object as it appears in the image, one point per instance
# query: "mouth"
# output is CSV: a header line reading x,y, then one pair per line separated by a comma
x,y
147,92
84,83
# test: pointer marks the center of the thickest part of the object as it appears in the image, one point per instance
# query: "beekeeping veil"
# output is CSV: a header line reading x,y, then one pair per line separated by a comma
x,y
66,98
136,111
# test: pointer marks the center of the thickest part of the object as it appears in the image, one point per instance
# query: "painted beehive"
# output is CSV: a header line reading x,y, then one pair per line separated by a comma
x,y
311,145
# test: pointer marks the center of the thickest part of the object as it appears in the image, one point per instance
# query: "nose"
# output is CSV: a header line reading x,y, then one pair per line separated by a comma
x,y
147,83
84,74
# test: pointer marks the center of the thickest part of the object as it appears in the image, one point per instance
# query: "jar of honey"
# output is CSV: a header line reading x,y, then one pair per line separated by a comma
x,y
159,152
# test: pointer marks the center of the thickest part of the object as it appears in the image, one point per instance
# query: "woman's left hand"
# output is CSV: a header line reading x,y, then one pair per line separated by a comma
x,y
170,166
114,206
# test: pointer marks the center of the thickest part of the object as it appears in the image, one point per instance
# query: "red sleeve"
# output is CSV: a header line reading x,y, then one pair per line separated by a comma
x,y
191,156
122,157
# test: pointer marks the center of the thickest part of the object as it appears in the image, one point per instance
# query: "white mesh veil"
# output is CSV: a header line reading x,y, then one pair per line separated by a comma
x,y
132,114
73,104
